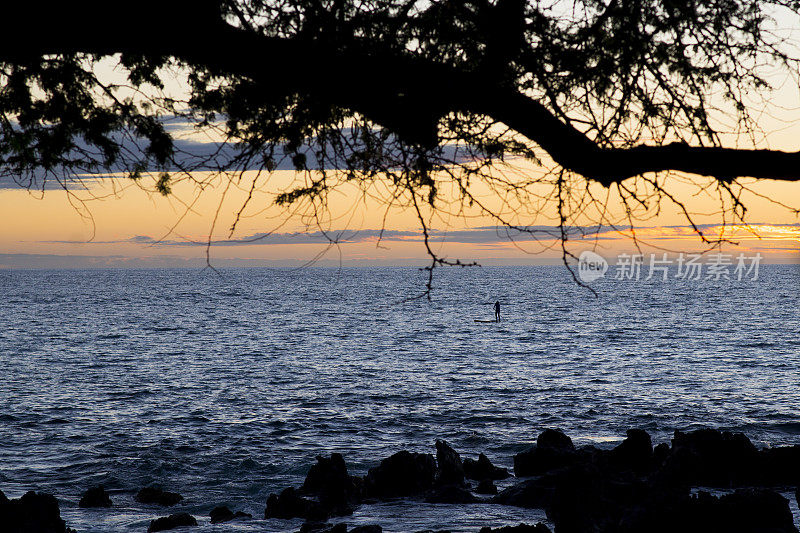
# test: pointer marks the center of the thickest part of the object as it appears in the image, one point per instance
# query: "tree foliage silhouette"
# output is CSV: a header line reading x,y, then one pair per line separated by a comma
x,y
419,95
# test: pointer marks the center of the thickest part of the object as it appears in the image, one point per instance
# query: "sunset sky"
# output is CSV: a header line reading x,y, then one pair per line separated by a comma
x,y
114,222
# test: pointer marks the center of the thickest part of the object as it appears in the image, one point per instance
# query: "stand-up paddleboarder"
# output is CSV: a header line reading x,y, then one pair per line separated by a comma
x,y
497,311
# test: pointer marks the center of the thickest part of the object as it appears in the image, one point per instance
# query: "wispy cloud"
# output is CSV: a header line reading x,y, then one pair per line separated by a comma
x,y
485,234
478,236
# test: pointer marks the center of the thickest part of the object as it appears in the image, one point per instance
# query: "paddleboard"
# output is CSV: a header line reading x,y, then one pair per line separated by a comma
x,y
485,321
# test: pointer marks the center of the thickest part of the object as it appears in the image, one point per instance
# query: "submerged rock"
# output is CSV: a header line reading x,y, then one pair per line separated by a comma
x,y
402,474
223,514
483,469
171,522
157,496
450,468
95,497
34,512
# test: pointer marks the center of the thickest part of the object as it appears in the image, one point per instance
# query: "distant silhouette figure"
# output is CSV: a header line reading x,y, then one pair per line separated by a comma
x,y
497,311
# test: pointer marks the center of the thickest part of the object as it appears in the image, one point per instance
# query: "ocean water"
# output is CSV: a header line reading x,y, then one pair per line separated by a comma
x,y
225,386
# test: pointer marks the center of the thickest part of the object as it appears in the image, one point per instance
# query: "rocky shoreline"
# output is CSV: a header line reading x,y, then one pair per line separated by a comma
x,y
633,487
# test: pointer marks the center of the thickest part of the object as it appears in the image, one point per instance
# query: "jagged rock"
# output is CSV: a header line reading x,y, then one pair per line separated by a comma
x,y
483,469
660,454
583,498
554,439
33,512
797,496
486,486
335,493
744,511
707,457
402,474
531,494
329,481
451,469
171,522
223,514
553,450
95,497
522,528
450,494
780,466
289,504
635,452
157,496
371,528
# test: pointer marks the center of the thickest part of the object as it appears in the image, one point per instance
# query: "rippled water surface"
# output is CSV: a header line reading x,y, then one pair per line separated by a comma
x,y
225,387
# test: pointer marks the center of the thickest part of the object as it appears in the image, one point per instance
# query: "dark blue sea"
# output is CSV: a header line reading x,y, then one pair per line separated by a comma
x,y
224,386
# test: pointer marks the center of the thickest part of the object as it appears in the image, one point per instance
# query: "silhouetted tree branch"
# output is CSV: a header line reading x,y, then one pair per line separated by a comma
x,y
416,93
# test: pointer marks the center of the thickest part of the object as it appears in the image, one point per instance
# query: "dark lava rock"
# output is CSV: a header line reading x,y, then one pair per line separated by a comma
x,y
371,528
330,482
95,497
522,528
555,439
334,492
451,469
660,454
223,514
322,527
171,522
797,496
635,452
553,450
707,457
780,466
450,494
35,512
289,504
483,469
157,496
486,486
531,494
402,474
744,511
